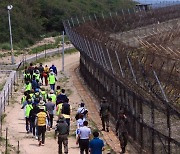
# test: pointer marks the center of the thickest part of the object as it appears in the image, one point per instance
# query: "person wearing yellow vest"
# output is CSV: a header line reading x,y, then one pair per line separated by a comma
x,y
28,86
53,96
58,90
28,108
37,76
52,80
43,94
41,123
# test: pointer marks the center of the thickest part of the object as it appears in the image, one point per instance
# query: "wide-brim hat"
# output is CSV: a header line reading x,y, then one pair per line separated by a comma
x,y
41,103
41,107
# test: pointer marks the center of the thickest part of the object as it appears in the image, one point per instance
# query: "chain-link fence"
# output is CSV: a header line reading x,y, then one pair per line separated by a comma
x,y
143,79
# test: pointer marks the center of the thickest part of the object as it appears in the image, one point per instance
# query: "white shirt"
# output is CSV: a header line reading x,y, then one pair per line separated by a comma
x,y
80,123
84,132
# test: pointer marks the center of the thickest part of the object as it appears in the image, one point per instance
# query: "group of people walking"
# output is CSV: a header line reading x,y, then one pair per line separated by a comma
x,y
41,104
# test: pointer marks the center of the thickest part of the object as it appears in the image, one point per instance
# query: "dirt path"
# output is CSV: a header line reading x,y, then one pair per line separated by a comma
x,y
78,91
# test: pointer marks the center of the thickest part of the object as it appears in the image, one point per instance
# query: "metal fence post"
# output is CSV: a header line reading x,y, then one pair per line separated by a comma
x,y
4,101
8,94
18,151
45,50
11,87
6,150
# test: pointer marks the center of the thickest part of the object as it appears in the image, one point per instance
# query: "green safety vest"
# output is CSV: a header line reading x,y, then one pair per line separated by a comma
x,y
37,76
28,87
52,79
58,92
28,109
44,95
53,96
23,99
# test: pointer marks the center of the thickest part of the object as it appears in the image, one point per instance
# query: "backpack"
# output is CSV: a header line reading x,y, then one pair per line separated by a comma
x,y
27,77
66,109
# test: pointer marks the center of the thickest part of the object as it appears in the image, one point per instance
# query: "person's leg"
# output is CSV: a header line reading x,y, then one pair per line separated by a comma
x,y
43,134
39,134
103,123
51,120
107,124
27,124
81,146
53,87
46,80
86,146
60,144
65,142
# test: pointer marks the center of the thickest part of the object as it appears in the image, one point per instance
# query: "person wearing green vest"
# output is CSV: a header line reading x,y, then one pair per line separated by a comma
x,y
52,96
28,108
58,90
52,80
27,76
28,86
37,75
43,94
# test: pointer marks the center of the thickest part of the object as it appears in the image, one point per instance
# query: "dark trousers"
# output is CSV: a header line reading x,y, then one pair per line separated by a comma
x,y
50,120
68,121
52,86
105,122
63,139
123,137
33,127
41,133
84,146
28,125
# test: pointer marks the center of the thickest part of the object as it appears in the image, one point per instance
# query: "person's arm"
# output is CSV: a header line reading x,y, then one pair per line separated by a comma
x,y
56,131
77,140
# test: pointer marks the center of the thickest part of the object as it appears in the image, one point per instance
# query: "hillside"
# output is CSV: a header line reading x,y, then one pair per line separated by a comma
x,y
34,19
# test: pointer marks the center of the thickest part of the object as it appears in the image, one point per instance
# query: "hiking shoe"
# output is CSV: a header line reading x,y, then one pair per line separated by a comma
x,y
42,144
107,130
39,143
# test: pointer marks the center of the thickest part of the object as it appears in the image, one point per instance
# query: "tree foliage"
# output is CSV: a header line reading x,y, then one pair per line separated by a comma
x,y
33,18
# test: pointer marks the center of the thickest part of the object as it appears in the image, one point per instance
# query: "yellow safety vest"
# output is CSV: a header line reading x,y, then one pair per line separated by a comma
x,y
51,79
53,96
28,87
41,119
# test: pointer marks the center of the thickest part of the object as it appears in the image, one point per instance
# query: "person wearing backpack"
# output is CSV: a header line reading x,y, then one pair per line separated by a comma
x,y
104,114
82,110
66,111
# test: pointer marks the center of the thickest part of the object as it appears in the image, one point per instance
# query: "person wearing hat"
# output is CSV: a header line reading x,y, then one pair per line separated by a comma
x,y
52,79
62,129
82,110
104,114
54,69
121,130
41,123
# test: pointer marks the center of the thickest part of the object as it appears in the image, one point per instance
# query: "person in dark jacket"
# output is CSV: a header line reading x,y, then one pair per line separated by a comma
x,y
62,130
35,84
61,97
53,68
104,114
32,117
121,130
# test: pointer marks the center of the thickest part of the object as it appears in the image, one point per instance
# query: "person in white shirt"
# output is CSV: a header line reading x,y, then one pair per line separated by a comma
x,y
82,110
83,138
